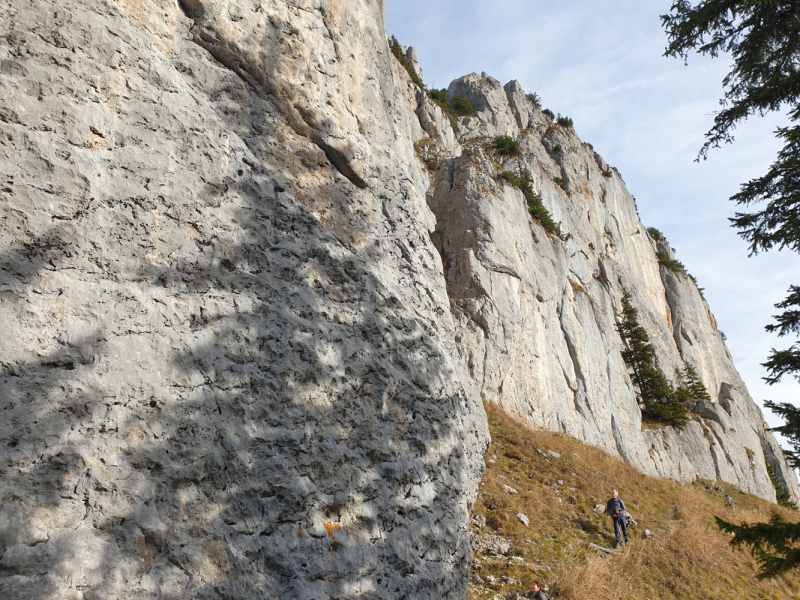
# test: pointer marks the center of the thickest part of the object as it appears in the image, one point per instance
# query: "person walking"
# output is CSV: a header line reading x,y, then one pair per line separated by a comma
x,y
538,594
615,507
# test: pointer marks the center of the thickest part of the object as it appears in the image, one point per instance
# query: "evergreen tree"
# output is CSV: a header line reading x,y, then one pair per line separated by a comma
x,y
773,544
763,39
790,430
690,386
660,400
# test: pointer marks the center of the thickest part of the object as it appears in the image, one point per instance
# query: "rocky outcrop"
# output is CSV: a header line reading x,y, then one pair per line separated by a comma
x,y
254,289
227,363
537,313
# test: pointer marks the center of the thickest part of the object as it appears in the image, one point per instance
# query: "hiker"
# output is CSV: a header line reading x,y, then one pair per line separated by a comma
x,y
616,508
538,594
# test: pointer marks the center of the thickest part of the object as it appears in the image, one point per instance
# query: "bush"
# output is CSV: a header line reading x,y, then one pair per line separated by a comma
x,y
675,266
440,97
534,99
549,114
562,183
655,234
523,182
557,148
403,60
453,121
432,162
462,106
607,173
564,121
506,146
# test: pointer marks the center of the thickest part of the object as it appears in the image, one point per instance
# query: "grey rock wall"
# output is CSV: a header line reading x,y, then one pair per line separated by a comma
x,y
537,314
248,330
227,366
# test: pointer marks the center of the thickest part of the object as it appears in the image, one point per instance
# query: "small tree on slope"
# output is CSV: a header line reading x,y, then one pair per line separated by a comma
x,y
660,400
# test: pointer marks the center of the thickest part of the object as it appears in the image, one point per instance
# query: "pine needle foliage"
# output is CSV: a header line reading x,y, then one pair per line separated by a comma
x,y
690,387
458,107
775,545
506,146
565,121
534,99
790,429
781,495
655,234
783,362
524,183
673,265
394,45
661,402
461,106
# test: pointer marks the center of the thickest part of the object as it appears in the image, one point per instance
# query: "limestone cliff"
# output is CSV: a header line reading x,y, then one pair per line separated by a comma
x,y
537,314
234,363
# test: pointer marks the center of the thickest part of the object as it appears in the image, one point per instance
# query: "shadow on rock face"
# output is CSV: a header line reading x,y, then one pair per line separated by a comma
x,y
210,390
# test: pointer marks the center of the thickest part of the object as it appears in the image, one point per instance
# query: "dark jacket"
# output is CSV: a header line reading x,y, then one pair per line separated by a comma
x,y
614,506
540,596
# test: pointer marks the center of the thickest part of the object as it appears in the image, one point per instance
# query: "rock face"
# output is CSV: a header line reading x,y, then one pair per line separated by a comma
x,y
537,314
228,367
235,364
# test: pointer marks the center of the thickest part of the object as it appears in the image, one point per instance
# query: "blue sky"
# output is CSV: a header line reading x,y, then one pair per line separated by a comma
x,y
602,64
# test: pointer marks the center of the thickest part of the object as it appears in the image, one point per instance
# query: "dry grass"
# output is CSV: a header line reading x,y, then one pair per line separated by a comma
x,y
688,557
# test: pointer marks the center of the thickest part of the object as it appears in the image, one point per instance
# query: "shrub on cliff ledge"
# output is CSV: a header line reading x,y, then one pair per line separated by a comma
x,y
673,265
523,182
403,60
440,98
564,121
461,106
506,146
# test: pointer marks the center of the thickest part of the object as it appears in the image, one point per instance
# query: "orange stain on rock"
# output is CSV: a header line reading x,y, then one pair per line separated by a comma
x,y
331,528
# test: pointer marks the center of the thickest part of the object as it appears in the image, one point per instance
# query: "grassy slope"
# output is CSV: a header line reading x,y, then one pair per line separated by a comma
x,y
688,557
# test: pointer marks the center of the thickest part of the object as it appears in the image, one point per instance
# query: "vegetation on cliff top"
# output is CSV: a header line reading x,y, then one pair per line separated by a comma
x,y
558,480
457,107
